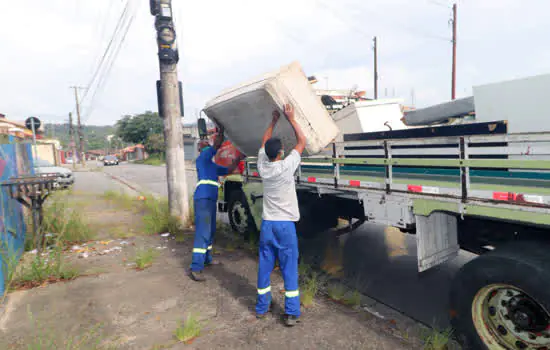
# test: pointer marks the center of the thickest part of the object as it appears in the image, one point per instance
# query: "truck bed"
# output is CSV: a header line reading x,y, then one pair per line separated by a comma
x,y
495,171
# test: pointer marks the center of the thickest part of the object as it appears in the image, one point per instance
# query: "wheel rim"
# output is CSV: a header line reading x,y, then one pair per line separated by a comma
x,y
238,213
505,317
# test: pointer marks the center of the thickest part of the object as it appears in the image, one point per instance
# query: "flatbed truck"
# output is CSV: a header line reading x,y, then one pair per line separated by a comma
x,y
486,194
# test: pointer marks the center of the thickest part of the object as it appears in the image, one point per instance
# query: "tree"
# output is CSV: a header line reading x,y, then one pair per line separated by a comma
x,y
155,144
137,128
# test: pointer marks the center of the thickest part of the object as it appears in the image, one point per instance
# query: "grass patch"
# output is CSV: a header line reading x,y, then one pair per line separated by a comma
x,y
40,270
66,226
309,289
304,270
144,258
121,198
189,330
336,292
353,299
437,340
157,215
152,160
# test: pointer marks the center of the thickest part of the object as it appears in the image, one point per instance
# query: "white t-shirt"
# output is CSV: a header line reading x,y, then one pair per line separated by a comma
x,y
280,200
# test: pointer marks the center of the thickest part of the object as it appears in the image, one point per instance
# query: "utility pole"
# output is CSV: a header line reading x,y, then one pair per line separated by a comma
x,y
72,143
453,88
169,93
79,126
375,47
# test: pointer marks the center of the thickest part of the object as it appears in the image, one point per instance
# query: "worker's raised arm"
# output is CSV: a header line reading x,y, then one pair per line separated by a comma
x,y
269,132
219,139
300,137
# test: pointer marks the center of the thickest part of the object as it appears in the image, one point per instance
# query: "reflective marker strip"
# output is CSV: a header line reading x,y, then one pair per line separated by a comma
x,y
292,294
209,247
199,250
422,189
355,183
208,182
518,197
311,179
414,188
255,174
264,290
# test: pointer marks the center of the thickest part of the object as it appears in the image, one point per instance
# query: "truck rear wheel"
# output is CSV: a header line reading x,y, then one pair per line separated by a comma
x,y
501,300
240,217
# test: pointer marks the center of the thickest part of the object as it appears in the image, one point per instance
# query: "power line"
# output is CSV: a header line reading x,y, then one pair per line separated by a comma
x,y
108,48
112,59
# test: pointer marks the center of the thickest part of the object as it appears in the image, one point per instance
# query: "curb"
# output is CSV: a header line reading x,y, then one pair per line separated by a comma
x,y
133,186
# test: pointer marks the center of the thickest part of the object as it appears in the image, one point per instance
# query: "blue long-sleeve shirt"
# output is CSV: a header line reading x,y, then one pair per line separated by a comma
x,y
208,170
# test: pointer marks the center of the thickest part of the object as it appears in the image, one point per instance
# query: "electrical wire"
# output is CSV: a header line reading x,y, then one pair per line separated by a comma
x,y
112,59
122,17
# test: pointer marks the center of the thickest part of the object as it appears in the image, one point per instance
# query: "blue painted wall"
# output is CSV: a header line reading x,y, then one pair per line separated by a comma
x,y
15,160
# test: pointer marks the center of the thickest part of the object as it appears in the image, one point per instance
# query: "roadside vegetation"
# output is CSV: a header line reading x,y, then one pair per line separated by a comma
x,y
155,159
145,257
190,329
436,339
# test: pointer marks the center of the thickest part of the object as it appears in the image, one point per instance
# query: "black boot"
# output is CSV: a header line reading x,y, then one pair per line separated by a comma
x,y
291,320
196,276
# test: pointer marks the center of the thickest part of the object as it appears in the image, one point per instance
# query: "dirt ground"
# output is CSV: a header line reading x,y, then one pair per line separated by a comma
x,y
118,307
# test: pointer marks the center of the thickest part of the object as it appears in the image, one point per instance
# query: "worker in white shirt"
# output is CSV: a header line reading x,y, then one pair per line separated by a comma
x,y
278,238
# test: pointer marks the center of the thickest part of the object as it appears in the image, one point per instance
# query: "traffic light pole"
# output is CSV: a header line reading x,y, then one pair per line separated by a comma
x,y
170,108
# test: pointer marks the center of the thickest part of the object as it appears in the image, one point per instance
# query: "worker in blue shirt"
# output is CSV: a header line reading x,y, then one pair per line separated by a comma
x,y
204,199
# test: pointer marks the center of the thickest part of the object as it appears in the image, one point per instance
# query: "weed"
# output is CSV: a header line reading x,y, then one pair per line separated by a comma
x,y
66,225
8,261
156,160
304,270
121,198
145,257
189,330
43,269
157,215
309,289
437,340
336,292
180,238
354,299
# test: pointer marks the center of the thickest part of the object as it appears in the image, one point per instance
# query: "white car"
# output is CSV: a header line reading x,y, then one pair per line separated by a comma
x,y
65,176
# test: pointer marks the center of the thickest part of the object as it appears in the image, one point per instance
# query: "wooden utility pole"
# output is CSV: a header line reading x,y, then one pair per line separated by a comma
x,y
79,126
171,108
453,89
375,47
72,143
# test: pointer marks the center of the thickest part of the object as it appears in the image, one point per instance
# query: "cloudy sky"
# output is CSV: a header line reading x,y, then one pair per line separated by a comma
x,y
47,46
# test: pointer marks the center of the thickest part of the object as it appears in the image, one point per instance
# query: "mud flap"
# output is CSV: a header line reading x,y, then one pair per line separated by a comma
x,y
253,192
436,239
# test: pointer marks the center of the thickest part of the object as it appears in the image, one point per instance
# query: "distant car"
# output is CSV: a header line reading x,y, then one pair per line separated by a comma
x,y
110,160
65,176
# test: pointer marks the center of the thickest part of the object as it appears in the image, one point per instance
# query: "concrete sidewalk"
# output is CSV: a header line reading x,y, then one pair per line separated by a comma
x,y
141,309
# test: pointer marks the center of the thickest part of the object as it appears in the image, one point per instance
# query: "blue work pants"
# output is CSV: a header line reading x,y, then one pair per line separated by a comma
x,y
278,241
205,229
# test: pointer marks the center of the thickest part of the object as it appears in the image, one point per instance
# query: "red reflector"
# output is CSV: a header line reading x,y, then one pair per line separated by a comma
x,y
311,179
255,174
504,196
355,183
414,188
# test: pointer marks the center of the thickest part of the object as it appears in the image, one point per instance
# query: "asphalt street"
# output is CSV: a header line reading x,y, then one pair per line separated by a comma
x,y
379,261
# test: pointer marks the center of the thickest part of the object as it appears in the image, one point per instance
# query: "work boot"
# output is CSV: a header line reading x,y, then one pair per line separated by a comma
x,y
263,316
196,276
291,320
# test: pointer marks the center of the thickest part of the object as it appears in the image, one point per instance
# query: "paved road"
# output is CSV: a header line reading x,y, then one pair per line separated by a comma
x,y
379,261
150,178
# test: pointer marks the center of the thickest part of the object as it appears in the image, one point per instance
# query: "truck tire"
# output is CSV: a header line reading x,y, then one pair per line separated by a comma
x,y
501,300
240,217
